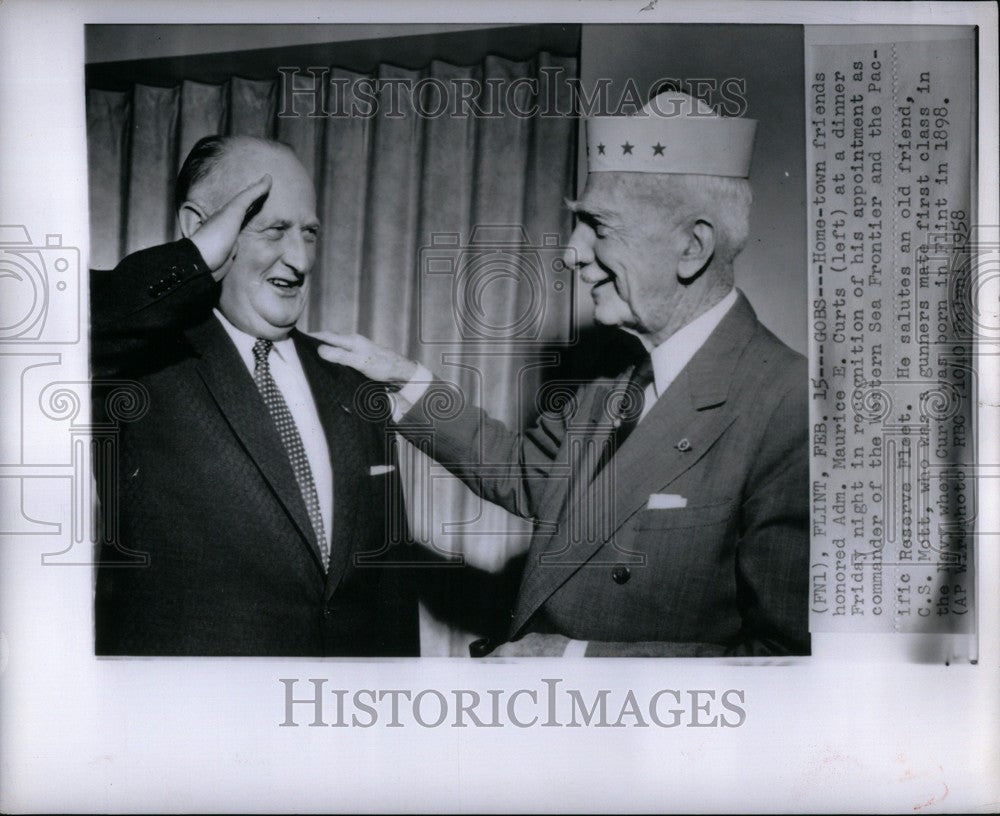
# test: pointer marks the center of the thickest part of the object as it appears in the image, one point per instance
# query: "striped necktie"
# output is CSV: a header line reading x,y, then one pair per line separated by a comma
x,y
634,400
291,440
630,406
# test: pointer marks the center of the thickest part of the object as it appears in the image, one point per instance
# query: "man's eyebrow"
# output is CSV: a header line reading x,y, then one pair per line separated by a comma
x,y
587,213
278,223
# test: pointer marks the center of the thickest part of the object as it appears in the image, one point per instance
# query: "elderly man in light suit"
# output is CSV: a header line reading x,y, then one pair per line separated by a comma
x,y
670,503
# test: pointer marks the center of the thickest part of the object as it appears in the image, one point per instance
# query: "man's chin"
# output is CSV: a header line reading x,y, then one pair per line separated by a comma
x,y
607,317
283,312
280,326
274,333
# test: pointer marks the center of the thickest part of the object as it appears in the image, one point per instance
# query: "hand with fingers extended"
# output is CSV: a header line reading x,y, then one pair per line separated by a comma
x,y
361,354
216,237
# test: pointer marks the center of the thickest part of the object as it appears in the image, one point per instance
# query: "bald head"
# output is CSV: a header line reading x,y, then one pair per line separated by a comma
x,y
218,167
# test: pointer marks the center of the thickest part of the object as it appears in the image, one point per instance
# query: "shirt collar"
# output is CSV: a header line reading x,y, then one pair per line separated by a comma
x,y
244,342
670,357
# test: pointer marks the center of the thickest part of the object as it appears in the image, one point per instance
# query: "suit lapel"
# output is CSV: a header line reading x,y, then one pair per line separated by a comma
x,y
679,432
350,451
580,449
227,379
683,424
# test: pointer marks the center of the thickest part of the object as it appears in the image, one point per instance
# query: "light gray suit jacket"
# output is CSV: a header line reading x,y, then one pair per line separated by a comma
x,y
725,574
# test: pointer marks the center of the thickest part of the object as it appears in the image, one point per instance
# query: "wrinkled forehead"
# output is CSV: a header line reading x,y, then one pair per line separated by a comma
x,y
627,195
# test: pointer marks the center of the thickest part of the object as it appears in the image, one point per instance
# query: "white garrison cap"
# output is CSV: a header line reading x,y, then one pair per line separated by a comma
x,y
673,133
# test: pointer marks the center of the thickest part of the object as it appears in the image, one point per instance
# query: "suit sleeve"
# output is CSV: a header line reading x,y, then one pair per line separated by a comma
x,y
772,559
502,466
150,294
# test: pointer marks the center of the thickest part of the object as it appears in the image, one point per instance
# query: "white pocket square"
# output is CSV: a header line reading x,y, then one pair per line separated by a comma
x,y
666,501
381,470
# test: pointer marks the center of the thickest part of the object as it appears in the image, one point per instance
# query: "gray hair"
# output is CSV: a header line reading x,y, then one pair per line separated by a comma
x,y
724,201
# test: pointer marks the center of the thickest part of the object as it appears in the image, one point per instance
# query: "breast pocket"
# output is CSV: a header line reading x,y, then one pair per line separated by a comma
x,y
686,547
701,515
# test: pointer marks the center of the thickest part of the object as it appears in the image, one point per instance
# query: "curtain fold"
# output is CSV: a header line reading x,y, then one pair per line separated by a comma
x,y
398,193
152,166
390,232
108,117
253,106
203,113
343,205
303,133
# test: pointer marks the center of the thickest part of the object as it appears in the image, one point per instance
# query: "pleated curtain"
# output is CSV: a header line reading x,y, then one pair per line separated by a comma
x,y
388,189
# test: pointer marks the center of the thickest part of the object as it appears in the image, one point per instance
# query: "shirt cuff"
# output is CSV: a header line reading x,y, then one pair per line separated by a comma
x,y
576,648
409,395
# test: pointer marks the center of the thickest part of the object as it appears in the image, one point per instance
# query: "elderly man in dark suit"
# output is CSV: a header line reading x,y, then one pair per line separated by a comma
x,y
254,502
670,503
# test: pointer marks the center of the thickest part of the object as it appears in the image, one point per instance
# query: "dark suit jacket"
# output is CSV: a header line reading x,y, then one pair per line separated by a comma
x,y
204,493
727,573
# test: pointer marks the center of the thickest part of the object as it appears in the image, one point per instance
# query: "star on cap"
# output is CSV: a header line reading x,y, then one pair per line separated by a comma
x,y
700,140
600,149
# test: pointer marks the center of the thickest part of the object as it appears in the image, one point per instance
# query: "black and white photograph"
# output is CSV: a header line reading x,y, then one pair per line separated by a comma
x,y
452,231
368,372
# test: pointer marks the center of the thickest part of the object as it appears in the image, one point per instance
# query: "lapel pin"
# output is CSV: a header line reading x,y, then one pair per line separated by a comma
x,y
345,409
683,445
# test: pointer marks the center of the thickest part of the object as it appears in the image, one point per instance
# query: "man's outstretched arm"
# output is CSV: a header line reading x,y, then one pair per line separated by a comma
x,y
502,466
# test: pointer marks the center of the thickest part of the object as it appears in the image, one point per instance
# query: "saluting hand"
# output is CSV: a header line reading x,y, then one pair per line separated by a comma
x,y
216,237
361,354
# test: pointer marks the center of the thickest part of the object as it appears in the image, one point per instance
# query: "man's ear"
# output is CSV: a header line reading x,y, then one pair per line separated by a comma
x,y
190,217
697,250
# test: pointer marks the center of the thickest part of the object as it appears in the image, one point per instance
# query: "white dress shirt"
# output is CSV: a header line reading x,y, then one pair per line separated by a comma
x,y
286,369
670,357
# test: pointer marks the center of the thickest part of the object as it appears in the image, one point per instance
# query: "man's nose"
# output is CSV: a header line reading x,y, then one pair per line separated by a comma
x,y
580,248
296,253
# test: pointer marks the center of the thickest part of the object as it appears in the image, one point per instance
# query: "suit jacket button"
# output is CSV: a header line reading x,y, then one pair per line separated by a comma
x,y
481,647
621,574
